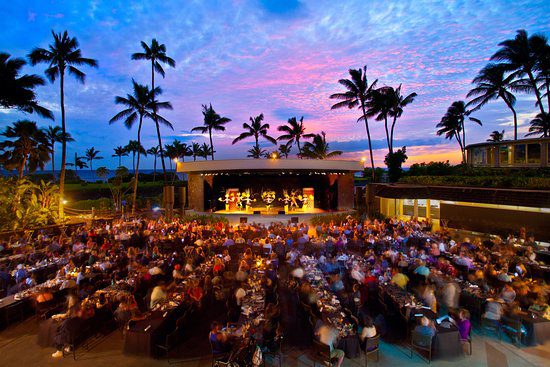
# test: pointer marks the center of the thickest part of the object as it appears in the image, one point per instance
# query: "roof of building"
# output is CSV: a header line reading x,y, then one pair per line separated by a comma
x,y
310,165
506,142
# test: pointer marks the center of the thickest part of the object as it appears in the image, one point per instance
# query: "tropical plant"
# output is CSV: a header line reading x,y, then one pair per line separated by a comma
x,y
318,148
255,129
92,155
135,148
156,53
496,136
206,151
212,121
196,150
358,93
54,134
26,147
181,150
284,149
78,163
256,152
171,151
102,172
397,103
540,125
63,55
492,84
452,125
18,91
293,132
521,56
139,105
155,152
120,152
394,161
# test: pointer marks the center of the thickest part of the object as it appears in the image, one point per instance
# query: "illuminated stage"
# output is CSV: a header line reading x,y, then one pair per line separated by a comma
x,y
270,187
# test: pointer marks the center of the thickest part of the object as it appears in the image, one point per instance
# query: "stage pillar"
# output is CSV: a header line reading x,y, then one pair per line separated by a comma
x,y
345,191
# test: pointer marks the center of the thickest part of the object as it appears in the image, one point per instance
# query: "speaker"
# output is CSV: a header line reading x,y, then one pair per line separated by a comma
x,y
294,219
282,212
257,212
244,220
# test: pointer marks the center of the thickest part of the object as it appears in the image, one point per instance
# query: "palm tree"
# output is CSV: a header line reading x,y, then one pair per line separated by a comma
x,y
284,149
79,163
540,125
358,93
294,131
120,152
318,148
180,150
398,103
543,72
140,104
452,125
54,135
379,106
171,151
496,136
135,148
212,121
206,151
492,84
256,152
26,147
255,129
17,91
155,152
156,53
91,156
63,55
196,150
521,56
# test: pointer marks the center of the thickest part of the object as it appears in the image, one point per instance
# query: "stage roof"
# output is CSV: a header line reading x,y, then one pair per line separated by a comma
x,y
318,165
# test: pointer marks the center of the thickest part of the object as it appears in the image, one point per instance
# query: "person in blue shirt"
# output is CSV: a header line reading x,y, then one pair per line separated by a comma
x,y
425,328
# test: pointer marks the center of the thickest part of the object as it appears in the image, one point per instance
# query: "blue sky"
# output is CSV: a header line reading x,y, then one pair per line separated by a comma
x,y
280,58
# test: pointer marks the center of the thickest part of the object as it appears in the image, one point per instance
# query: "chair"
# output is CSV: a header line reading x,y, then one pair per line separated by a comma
x,y
217,357
468,340
371,347
276,351
172,339
320,353
493,325
512,327
420,342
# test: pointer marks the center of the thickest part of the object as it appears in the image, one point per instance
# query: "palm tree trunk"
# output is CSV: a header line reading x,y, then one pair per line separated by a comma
x,y
257,145
387,133
119,160
136,171
21,167
537,92
211,144
391,135
548,92
299,148
368,137
53,162
63,145
155,169
156,121
457,135
134,162
515,117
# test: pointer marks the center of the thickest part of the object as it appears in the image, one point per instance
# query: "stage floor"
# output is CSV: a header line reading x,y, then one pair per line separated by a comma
x,y
235,217
272,211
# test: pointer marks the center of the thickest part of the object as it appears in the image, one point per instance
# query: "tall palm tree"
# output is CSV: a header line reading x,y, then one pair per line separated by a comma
x,y
284,149
156,53
452,125
540,125
25,148
79,163
294,131
92,155
379,106
358,93
135,148
63,55
255,129
212,121
492,84
543,72
398,103
318,148
496,136
155,152
520,56
171,151
196,149
54,134
256,152
139,105
206,151
18,91
120,152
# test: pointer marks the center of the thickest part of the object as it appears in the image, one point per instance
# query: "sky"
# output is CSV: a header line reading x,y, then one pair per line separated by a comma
x,y
280,58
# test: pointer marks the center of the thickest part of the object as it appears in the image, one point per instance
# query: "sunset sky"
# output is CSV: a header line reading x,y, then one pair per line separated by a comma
x,y
280,58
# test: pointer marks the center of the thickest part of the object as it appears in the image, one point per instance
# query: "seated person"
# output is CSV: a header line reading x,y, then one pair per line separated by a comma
x,y
367,329
426,328
218,340
493,310
327,335
463,324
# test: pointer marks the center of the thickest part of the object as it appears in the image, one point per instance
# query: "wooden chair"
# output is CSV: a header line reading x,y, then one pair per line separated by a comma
x,y
421,342
217,357
512,327
172,340
493,325
320,353
372,347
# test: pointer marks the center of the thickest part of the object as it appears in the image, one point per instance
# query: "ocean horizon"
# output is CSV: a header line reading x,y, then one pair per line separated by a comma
x,y
90,175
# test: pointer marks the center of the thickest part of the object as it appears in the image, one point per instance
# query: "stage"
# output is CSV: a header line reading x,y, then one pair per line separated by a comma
x,y
301,217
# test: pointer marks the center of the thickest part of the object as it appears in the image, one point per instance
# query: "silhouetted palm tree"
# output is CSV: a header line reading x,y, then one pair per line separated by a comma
x,y
79,163
255,129
25,148
135,148
120,152
212,121
358,93
397,103
171,151
496,136
379,106
520,56
17,91
62,56
155,152
492,84
284,149
294,131
318,148
91,156
54,134
206,151
256,152
196,149
156,53
540,125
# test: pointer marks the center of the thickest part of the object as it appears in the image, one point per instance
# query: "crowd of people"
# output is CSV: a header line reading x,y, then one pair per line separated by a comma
x,y
122,270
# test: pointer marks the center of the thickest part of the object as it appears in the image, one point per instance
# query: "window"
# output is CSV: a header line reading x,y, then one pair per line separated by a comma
x,y
478,158
490,152
422,207
533,153
503,155
408,207
434,209
519,153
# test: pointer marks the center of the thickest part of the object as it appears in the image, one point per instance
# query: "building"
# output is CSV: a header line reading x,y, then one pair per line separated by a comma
x,y
510,153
